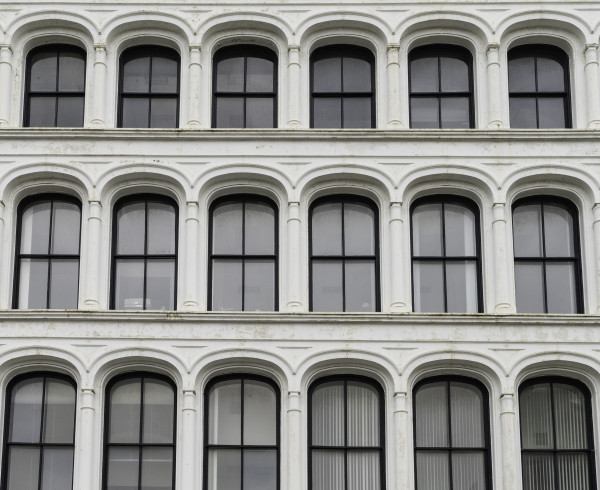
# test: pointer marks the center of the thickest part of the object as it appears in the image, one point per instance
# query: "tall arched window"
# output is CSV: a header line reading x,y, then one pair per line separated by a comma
x,y
47,252
149,88
245,87
451,434
441,87
538,85
547,263
55,86
342,87
344,254
557,437
241,436
139,433
39,437
446,265
243,254
144,262
346,434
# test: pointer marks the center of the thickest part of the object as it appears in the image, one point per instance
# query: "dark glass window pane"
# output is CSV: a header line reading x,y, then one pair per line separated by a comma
x,y
259,112
123,468
433,470
529,287
427,230
454,74
23,468
124,416
260,407
424,112
327,112
327,229
33,283
551,112
259,75
327,410
468,470
467,409
157,468
57,468
460,230
225,412
431,412
363,470
328,470
357,112
260,227
35,228
42,111
523,112
70,112
227,285
64,282
225,469
327,284
570,417
159,405
59,420
359,285
260,470
359,229
573,471
161,228
163,113
428,280
561,287
129,284
357,75
527,230
559,231
521,75
160,284
135,112
455,112
538,471
164,76
363,414
259,285
131,228
327,75
230,112
551,76
230,75
71,72
66,223
43,72
26,411
424,75
536,417
136,75
227,228
461,287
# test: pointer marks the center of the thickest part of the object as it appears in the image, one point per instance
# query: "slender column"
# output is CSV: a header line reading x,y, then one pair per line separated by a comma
x,y
592,87
100,68
294,275
190,270
503,303
493,88
393,89
398,301
294,443
596,210
510,479
6,82
92,299
86,443
195,74
401,441
188,441
294,95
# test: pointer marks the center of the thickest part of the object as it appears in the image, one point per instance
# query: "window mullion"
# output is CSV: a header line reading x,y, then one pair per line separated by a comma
x,y
41,439
141,430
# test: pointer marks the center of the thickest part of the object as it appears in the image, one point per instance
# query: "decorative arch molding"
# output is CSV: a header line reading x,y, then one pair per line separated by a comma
x,y
347,19
50,22
148,21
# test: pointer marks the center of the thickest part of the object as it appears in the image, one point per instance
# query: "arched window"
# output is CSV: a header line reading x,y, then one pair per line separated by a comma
x,y
538,85
441,87
245,87
342,87
446,265
55,87
149,88
144,262
139,433
451,434
346,434
344,254
241,436
39,437
547,264
243,254
47,252
557,437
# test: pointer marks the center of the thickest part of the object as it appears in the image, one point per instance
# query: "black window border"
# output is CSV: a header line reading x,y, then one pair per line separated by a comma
x,y
487,449
45,375
145,198
346,198
576,259
149,51
381,449
591,452
438,51
26,202
245,51
143,375
243,199
58,49
472,206
550,52
343,51
206,404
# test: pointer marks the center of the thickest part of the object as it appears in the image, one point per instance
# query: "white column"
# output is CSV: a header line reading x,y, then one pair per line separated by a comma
x,y
401,441
294,95
398,300
596,225
190,266
195,82
294,279
92,299
393,89
99,89
295,444
6,82
86,442
510,477
503,303
188,441
493,88
592,87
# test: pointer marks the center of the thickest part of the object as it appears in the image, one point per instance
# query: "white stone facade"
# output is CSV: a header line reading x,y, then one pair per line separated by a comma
x,y
293,165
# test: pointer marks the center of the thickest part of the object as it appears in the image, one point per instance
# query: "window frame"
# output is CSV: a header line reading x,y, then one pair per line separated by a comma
x,y
576,259
549,51
146,199
23,205
487,449
381,449
472,206
45,375
57,48
148,51
342,51
243,199
205,424
345,198
244,51
438,51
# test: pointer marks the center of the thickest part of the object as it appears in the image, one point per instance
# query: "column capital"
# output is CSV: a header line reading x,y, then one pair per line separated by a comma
x,y
294,401
591,53
293,47
88,396
5,53
507,403
498,212
591,47
493,47
596,211
400,402
100,47
195,47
